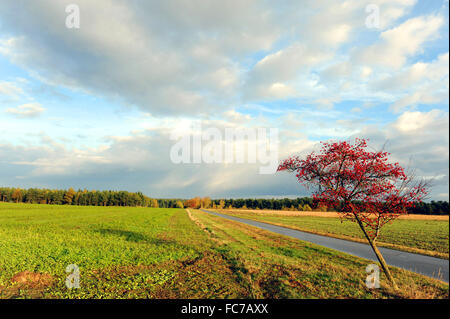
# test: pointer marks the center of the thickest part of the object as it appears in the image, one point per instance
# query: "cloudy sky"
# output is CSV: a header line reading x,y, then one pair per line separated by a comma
x,y
93,107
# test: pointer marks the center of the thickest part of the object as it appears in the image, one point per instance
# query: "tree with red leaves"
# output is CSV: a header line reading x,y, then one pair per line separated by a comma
x,y
362,185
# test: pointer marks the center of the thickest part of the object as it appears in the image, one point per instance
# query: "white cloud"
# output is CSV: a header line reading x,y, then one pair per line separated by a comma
x,y
10,89
337,71
399,43
235,117
167,58
29,110
423,96
419,83
184,58
326,103
141,161
417,73
419,141
271,75
137,162
412,122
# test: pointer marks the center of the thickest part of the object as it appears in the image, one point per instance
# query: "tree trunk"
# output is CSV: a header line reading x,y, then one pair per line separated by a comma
x,y
378,254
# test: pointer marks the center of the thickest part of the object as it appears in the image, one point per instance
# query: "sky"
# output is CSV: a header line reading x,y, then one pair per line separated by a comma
x,y
94,106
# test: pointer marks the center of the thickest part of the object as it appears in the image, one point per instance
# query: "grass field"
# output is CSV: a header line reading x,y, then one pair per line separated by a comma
x,y
125,252
427,235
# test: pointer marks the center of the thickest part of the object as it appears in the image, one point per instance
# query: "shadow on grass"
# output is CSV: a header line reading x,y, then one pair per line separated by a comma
x,y
135,236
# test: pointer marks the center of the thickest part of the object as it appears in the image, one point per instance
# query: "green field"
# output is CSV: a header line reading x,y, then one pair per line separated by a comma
x,y
125,252
429,237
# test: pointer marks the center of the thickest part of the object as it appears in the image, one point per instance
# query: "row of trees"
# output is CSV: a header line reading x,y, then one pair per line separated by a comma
x,y
79,197
124,198
301,204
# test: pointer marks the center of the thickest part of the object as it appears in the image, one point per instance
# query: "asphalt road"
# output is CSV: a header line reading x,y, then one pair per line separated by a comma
x,y
422,264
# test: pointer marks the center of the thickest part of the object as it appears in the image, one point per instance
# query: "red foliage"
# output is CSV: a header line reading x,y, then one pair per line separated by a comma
x,y
193,202
359,183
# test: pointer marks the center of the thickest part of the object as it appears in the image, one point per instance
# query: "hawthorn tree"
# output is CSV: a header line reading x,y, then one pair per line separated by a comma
x,y
362,185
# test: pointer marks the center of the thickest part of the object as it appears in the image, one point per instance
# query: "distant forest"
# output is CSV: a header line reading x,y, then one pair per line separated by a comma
x,y
124,198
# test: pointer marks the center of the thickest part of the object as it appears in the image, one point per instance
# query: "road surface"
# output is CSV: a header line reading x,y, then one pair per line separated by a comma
x,y
422,264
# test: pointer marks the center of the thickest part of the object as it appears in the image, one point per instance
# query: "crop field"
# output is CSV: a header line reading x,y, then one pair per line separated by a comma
x,y
419,234
125,252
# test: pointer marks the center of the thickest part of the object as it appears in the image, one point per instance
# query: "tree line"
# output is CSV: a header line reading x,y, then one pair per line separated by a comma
x,y
124,198
300,204
83,197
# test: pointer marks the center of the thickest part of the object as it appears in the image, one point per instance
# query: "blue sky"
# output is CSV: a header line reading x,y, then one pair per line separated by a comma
x,y
93,107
